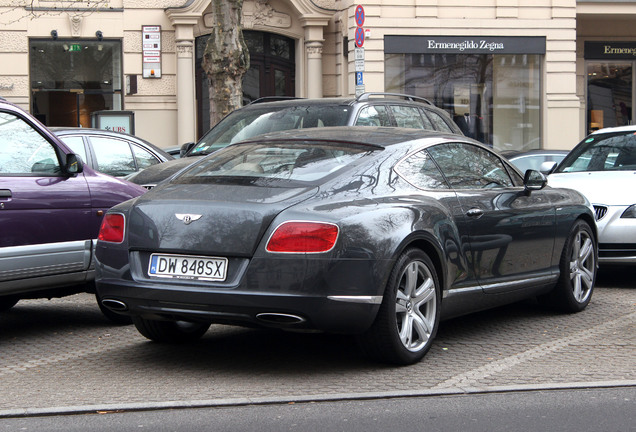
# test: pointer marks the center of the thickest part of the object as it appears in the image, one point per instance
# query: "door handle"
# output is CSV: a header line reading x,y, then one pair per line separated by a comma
x,y
474,212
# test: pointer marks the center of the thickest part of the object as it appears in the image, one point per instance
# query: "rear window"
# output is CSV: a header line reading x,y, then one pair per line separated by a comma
x,y
288,161
244,124
603,152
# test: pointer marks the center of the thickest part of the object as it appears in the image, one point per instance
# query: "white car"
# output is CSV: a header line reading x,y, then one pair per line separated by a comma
x,y
603,168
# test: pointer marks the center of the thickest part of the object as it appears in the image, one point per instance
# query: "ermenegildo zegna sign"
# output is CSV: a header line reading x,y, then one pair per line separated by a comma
x,y
464,45
610,50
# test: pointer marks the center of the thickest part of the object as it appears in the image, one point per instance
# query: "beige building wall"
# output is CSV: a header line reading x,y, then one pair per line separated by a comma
x,y
553,19
599,22
155,103
324,34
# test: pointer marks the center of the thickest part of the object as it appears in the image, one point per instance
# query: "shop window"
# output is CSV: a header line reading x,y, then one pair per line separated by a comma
x,y
495,99
72,79
609,94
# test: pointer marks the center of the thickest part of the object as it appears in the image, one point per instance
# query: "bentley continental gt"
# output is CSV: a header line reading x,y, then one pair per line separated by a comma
x,y
376,232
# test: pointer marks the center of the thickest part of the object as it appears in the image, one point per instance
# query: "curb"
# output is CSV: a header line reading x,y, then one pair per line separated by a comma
x,y
211,403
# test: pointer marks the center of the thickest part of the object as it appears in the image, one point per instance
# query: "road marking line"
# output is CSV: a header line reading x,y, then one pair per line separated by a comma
x,y
472,377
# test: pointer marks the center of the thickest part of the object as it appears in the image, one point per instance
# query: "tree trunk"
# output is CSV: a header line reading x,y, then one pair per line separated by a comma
x,y
226,59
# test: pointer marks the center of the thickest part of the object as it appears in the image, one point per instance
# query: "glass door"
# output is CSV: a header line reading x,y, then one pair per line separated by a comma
x,y
609,94
72,79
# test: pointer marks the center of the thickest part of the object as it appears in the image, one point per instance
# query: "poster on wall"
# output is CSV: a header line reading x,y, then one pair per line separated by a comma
x,y
151,51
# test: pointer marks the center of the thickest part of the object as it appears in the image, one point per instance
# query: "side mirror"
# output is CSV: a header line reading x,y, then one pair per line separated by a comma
x,y
73,165
185,148
547,167
534,180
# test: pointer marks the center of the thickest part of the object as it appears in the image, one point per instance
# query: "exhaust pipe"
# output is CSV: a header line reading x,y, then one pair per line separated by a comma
x,y
280,319
116,305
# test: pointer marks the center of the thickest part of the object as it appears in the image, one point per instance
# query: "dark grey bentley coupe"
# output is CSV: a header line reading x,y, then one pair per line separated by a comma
x,y
376,232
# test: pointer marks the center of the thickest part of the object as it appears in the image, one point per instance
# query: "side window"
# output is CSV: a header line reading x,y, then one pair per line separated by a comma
x,y
467,166
373,116
76,144
23,150
438,121
408,117
113,156
516,178
420,170
143,157
428,125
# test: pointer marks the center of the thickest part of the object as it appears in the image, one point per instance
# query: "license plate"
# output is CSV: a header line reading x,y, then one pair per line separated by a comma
x,y
188,267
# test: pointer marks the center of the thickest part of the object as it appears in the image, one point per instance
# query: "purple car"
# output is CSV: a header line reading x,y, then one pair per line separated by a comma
x,y
51,208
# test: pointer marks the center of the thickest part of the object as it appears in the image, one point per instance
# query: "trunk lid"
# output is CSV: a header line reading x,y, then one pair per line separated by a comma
x,y
208,219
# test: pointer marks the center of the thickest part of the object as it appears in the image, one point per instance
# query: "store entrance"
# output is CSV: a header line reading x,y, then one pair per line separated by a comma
x,y
609,94
272,72
72,79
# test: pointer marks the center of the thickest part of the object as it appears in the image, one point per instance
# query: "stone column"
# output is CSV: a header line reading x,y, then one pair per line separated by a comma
x,y
184,18
186,114
313,51
314,68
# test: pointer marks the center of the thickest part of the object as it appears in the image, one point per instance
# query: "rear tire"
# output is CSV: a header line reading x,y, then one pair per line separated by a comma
x,y
7,302
170,331
578,269
407,321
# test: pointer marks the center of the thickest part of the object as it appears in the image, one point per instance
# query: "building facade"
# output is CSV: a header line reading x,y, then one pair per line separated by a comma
x,y
515,74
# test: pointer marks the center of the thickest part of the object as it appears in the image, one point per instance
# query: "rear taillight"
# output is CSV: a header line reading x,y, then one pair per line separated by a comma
x,y
112,229
303,237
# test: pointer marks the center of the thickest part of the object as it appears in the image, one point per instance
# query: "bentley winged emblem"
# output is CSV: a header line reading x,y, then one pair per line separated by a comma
x,y
188,218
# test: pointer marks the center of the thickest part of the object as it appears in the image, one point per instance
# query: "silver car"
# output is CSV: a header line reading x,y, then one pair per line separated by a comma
x,y
603,168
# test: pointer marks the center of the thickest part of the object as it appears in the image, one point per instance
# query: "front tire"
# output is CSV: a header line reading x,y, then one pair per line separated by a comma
x,y
408,318
578,269
170,331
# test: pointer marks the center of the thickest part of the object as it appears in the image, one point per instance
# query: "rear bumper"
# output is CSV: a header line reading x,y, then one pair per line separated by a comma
x,y
347,314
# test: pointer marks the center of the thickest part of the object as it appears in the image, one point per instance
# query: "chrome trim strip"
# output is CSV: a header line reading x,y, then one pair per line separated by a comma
x,y
631,259
501,286
357,299
460,291
526,281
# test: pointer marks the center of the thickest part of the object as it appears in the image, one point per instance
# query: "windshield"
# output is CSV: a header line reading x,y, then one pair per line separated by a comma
x,y
603,152
243,124
295,161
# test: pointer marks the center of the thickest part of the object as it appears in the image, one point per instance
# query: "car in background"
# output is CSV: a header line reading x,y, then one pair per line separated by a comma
x,y
603,168
113,153
377,232
266,116
51,208
533,159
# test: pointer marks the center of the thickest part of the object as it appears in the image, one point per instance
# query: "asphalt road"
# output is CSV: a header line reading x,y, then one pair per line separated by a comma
x,y
563,410
63,356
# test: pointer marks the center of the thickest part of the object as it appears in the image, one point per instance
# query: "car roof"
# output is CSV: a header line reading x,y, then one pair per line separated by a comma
x,y
378,136
61,131
517,153
65,130
365,97
630,128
